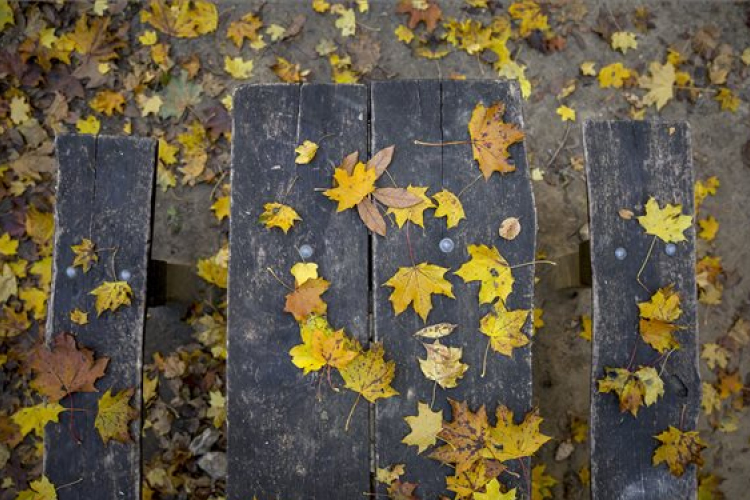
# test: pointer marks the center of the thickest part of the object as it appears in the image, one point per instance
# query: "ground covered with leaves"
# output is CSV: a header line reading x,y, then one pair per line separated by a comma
x,y
167,68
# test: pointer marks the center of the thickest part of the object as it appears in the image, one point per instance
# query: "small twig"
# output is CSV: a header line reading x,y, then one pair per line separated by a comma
x,y
279,279
476,179
533,262
68,485
643,266
484,361
440,144
560,146
351,412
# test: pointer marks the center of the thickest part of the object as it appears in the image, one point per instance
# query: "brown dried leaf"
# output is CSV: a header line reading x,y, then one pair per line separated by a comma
x,y
371,216
381,160
396,197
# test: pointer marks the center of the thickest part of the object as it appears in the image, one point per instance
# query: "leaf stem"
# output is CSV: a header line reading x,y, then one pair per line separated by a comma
x,y
434,388
469,185
351,412
643,266
484,361
441,144
533,262
271,271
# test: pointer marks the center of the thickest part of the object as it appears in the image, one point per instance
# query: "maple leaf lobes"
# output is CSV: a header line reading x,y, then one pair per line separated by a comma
x,y
352,188
370,375
415,285
491,269
657,317
667,224
425,427
505,328
110,295
491,137
414,213
278,215
465,435
443,364
114,415
450,207
678,449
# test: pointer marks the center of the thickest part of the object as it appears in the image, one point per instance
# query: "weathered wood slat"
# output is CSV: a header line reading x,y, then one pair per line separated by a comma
x,y
104,193
433,111
283,441
626,163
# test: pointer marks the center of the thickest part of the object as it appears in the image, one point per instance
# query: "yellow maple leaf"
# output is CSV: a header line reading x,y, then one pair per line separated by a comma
x,y
108,102
414,213
566,113
473,480
709,227
40,489
493,492
303,355
305,152
19,110
710,400
150,105
678,449
370,375
491,269
8,283
541,483
248,27
715,355
238,68
217,408
728,100
509,441
658,315
214,269
289,72
530,15
404,34
660,84
278,215
221,207
79,317
321,6
346,22
304,271
633,388
182,18
668,223
113,416
111,295
415,285
443,364
352,188
8,245
505,328
491,137
6,15
588,68
35,418
425,426
613,75
450,207
148,37
90,125
623,41
705,189
34,300
85,254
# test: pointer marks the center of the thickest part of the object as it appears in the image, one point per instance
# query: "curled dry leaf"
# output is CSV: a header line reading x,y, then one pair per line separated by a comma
x,y
381,160
371,216
443,364
510,228
396,197
491,138
436,331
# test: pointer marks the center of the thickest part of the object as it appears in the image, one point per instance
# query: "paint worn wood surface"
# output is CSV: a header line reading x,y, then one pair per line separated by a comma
x,y
434,111
626,163
104,193
286,434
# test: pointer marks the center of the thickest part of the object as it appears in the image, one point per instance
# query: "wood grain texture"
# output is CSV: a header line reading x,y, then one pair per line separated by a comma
x,y
433,111
104,193
626,163
286,434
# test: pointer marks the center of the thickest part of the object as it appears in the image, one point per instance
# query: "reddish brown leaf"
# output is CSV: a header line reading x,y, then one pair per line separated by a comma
x,y
402,491
465,436
429,16
305,300
396,197
65,369
371,216
381,160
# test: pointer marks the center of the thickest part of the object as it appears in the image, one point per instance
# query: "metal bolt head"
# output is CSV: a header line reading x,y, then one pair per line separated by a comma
x,y
670,249
305,251
125,275
71,272
620,253
447,245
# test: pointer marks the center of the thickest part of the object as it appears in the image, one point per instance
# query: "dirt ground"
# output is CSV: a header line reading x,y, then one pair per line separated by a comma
x,y
186,229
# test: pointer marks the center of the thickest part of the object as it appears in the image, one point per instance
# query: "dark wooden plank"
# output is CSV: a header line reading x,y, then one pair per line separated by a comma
x,y
104,193
433,111
626,163
284,442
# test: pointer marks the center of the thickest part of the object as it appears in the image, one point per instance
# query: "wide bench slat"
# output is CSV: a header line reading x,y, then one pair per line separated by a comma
x,y
104,193
283,442
626,164
431,111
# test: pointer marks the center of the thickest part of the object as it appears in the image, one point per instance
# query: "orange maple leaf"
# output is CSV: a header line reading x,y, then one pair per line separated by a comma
x,y
491,137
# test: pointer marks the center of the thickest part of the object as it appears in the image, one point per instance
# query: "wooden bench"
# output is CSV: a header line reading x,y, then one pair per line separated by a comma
x,y
292,435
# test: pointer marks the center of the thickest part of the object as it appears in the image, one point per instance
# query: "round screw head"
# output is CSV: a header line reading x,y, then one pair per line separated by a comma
x,y
305,251
620,253
71,272
447,245
125,275
670,249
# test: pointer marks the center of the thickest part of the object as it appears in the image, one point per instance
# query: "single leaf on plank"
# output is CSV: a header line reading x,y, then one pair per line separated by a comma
x,y
657,319
643,386
303,271
416,285
505,328
114,415
35,418
443,364
421,11
436,331
509,441
491,269
305,152
64,368
414,213
381,160
678,450
387,475
352,188
371,216
85,254
396,197
425,427
278,215
667,224
450,207
370,375
491,137
305,299
182,18
660,84
465,437
111,295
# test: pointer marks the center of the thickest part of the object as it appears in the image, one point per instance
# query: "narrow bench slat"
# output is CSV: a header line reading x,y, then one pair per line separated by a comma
x,y
626,164
433,112
283,442
104,193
